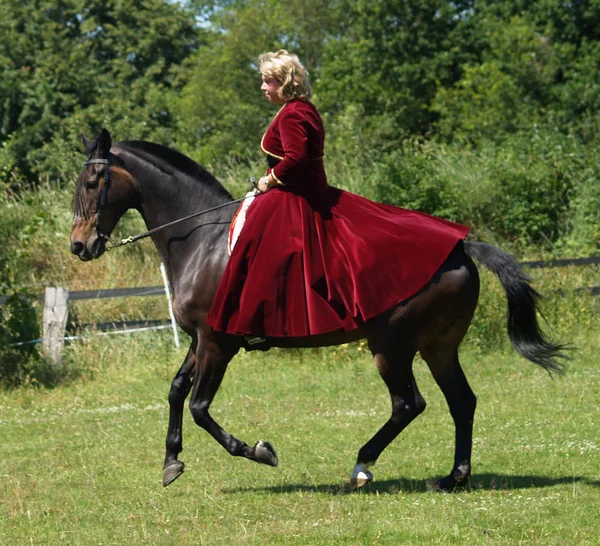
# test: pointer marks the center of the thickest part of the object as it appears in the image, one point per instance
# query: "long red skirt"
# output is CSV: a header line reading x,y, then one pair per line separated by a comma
x,y
310,265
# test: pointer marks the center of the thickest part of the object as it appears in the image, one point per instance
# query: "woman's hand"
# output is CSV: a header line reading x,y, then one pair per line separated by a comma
x,y
264,184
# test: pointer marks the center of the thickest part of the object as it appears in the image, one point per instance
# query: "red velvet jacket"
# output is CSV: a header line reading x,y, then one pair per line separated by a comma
x,y
295,138
313,259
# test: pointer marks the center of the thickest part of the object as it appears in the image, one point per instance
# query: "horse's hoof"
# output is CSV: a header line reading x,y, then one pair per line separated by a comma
x,y
265,454
360,477
448,484
171,472
459,477
439,486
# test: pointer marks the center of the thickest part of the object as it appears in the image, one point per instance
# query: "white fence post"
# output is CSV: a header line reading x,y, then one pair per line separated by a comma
x,y
163,272
56,310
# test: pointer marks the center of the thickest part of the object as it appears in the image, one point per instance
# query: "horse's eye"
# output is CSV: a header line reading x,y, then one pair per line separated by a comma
x,y
91,184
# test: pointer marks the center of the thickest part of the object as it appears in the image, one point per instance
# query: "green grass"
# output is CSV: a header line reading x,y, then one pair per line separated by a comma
x,y
81,464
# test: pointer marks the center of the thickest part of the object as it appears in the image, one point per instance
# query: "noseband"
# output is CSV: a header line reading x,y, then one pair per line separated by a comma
x,y
103,194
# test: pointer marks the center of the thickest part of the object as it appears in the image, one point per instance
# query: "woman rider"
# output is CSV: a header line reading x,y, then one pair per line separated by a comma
x,y
313,259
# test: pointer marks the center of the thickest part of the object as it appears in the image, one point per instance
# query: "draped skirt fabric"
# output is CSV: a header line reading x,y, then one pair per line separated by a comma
x,y
308,265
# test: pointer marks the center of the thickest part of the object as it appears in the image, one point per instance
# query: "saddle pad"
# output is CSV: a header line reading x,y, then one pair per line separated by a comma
x,y
237,223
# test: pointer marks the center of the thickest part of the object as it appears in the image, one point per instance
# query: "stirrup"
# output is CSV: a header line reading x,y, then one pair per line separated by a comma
x,y
254,340
252,343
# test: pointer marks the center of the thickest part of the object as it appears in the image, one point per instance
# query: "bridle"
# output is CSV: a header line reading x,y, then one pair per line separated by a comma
x,y
103,194
102,198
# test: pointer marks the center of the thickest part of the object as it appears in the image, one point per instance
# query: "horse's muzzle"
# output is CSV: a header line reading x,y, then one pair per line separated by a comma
x,y
80,250
85,253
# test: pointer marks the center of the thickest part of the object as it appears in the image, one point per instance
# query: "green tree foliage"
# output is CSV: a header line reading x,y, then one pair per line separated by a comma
x,y
70,65
531,98
538,64
222,110
393,80
508,89
392,57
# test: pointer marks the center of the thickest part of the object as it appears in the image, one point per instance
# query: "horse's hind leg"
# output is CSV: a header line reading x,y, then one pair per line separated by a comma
x,y
442,359
180,388
395,368
212,365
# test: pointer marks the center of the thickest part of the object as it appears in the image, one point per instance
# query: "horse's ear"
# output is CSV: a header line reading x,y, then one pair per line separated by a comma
x,y
88,144
104,143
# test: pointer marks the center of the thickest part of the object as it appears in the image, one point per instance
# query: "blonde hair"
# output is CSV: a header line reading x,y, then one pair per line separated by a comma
x,y
287,69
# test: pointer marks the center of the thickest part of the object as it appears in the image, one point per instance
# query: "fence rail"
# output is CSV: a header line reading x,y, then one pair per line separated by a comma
x,y
56,306
541,264
54,324
101,294
106,293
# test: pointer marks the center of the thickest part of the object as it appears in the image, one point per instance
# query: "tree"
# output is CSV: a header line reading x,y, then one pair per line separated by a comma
x,y
88,63
392,57
222,110
538,64
509,89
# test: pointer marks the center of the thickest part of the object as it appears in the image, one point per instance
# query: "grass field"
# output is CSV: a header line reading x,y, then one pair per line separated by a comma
x,y
81,464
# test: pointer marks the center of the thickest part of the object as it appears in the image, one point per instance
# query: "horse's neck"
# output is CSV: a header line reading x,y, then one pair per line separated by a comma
x,y
165,198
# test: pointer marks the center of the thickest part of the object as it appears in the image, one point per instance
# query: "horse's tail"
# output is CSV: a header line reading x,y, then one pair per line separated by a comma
x,y
523,328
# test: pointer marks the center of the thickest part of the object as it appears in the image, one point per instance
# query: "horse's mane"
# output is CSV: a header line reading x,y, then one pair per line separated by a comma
x,y
167,160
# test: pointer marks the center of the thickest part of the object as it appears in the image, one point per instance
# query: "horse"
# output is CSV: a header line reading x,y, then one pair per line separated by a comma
x,y
166,186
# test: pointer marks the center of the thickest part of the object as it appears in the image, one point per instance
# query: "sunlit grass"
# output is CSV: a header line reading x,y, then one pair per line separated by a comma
x,y
81,464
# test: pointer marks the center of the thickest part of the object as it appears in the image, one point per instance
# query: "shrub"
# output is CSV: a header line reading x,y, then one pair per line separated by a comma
x,y
18,326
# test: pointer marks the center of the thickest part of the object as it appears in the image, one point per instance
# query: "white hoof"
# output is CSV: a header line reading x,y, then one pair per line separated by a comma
x,y
361,476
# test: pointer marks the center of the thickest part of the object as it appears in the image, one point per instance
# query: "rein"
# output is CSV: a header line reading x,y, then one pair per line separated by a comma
x,y
133,238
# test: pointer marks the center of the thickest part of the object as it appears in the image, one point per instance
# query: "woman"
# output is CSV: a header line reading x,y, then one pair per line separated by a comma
x,y
312,259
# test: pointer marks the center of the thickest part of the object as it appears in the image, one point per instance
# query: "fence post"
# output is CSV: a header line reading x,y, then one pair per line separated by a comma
x,y
56,310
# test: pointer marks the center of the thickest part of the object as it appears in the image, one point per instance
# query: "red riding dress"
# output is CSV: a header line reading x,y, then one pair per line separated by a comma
x,y
313,259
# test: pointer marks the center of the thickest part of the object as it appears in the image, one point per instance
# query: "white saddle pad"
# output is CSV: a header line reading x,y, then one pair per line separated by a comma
x,y
239,219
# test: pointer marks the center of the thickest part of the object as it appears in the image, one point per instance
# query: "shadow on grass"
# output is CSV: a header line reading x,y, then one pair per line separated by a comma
x,y
479,482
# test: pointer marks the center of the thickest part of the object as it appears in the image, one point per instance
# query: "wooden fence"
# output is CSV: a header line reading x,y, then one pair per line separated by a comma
x,y
56,305
56,311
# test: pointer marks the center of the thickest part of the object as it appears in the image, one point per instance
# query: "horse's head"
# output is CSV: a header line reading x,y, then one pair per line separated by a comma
x,y
104,191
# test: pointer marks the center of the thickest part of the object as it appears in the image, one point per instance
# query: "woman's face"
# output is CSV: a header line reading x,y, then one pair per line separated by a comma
x,y
271,86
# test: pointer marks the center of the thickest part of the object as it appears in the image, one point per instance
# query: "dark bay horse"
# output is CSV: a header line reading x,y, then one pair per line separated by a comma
x,y
164,186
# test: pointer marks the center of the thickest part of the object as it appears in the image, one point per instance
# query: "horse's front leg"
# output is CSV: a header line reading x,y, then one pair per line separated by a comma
x,y
180,388
213,359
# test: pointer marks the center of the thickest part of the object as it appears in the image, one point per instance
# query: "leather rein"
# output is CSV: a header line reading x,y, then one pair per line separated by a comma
x,y
102,198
